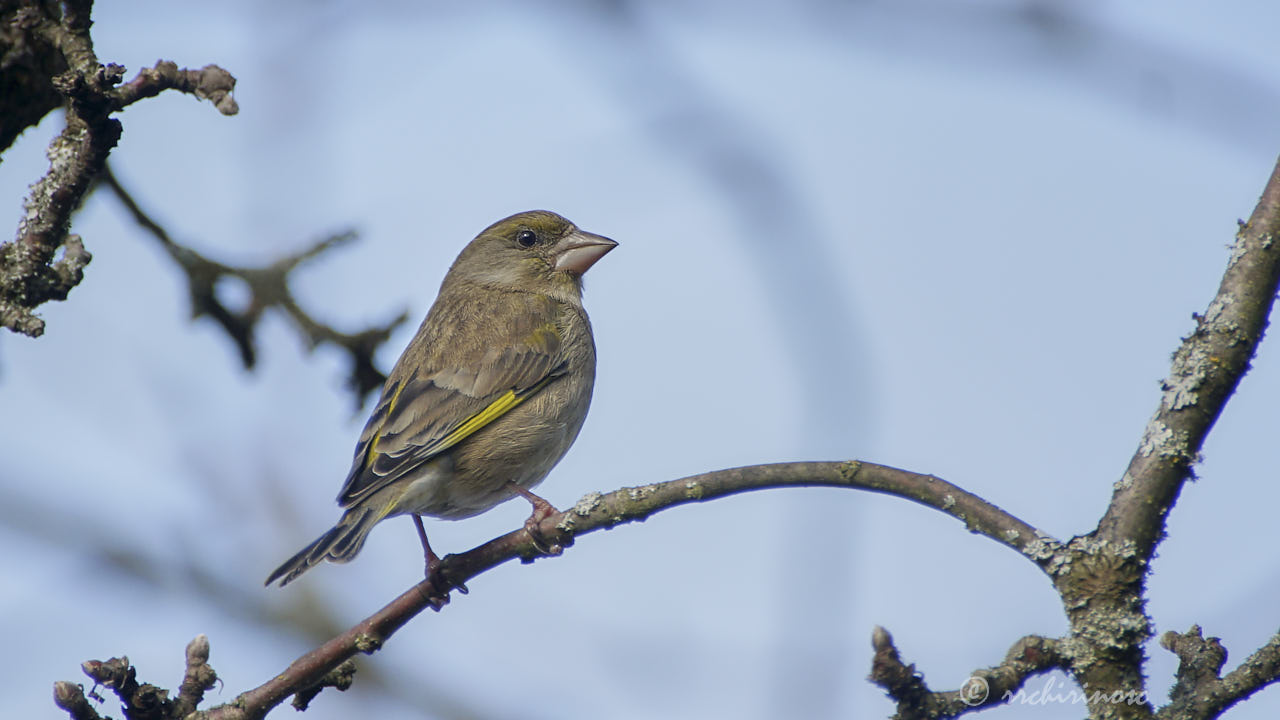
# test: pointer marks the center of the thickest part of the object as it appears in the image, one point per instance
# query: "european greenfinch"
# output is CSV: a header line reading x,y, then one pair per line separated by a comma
x,y
487,397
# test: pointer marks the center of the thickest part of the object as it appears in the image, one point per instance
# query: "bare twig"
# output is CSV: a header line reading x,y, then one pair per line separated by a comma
x,y
198,679
141,701
70,697
1030,656
210,83
1199,692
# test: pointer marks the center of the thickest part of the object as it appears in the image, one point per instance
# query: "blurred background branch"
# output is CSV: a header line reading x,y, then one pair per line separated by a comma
x,y
267,287
304,613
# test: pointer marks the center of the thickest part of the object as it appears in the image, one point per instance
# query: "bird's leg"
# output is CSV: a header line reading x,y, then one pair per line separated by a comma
x,y
541,511
433,563
433,560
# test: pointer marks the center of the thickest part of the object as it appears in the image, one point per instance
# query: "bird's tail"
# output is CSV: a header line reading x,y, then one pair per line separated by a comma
x,y
339,544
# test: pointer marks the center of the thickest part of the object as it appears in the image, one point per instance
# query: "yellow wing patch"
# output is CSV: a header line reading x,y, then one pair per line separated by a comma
x,y
495,410
472,425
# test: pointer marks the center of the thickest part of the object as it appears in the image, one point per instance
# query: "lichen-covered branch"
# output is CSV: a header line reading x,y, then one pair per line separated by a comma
x,y
1206,369
48,60
268,287
1101,576
1199,692
1030,656
30,271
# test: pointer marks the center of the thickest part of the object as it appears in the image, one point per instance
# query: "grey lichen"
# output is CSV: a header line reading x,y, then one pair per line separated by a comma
x,y
642,492
1115,628
582,508
586,504
1156,439
1239,247
1182,391
1041,549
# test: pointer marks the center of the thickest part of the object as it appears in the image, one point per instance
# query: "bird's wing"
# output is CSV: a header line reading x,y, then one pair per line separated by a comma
x,y
426,413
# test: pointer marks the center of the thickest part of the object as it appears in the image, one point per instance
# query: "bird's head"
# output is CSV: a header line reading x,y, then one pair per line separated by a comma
x,y
535,251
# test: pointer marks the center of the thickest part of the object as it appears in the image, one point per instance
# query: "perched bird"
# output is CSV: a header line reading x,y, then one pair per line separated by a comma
x,y
487,397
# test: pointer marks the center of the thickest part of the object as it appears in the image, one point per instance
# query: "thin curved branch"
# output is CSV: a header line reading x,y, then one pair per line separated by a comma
x,y
597,511
1206,369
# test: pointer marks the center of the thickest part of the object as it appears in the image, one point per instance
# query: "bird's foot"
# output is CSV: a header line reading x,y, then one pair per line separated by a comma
x,y
438,583
545,545
533,526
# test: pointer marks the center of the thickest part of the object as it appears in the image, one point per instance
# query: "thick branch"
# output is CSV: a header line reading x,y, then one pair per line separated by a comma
x,y
1206,369
28,63
601,512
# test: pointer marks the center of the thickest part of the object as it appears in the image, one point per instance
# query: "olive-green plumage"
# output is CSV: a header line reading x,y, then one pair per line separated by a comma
x,y
492,390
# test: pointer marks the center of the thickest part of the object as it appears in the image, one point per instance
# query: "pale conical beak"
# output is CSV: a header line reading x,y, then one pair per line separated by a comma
x,y
579,250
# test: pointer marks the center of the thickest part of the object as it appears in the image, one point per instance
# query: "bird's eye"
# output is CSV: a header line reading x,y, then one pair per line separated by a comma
x,y
526,238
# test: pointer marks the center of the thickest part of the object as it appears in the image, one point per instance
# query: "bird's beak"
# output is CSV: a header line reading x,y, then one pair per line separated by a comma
x,y
579,250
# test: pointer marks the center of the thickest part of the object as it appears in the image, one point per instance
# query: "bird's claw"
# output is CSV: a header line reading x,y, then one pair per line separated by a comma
x,y
540,541
439,583
533,526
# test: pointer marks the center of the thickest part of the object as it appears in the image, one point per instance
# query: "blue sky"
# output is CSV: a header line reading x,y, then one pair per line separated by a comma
x,y
958,238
